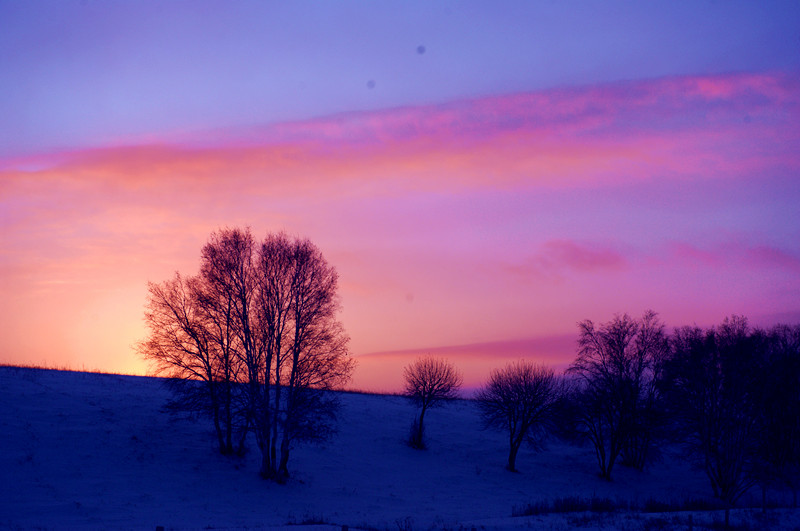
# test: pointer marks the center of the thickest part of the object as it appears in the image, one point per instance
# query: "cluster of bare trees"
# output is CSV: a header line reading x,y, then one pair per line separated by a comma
x,y
520,399
610,396
253,341
729,394
734,396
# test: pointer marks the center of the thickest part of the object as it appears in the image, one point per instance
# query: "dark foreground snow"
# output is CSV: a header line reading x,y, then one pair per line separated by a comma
x,y
82,450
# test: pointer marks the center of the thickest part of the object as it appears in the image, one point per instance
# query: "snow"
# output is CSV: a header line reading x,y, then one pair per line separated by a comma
x,y
82,450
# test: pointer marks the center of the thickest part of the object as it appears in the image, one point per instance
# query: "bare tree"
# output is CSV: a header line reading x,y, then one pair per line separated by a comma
x,y
429,381
616,398
184,346
226,272
520,399
317,352
274,261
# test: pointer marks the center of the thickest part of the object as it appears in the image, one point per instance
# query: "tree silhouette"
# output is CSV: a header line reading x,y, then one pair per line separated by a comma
x,y
519,399
258,327
429,381
187,346
715,397
779,406
616,399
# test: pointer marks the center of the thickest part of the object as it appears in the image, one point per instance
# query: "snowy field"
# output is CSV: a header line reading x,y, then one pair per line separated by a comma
x,y
82,450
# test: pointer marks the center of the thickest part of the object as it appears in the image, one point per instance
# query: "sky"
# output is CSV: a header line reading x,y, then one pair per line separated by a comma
x,y
483,176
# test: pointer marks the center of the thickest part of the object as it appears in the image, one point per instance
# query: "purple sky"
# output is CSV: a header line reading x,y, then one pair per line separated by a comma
x,y
482,177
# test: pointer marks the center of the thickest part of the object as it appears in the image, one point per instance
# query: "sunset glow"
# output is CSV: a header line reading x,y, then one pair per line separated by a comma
x,y
474,222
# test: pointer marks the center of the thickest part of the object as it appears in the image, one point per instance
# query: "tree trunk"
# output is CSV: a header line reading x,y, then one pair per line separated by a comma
x,y
228,419
417,438
266,471
512,457
612,458
262,428
275,420
218,428
283,469
605,468
240,445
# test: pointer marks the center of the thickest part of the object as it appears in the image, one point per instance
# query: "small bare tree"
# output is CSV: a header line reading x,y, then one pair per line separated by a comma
x,y
520,399
429,381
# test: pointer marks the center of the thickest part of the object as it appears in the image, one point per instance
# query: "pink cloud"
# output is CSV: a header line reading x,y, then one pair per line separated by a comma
x,y
691,254
567,253
557,258
765,256
682,127
735,254
567,110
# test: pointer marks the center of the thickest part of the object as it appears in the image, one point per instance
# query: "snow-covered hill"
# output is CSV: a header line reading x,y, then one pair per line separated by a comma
x,y
81,450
